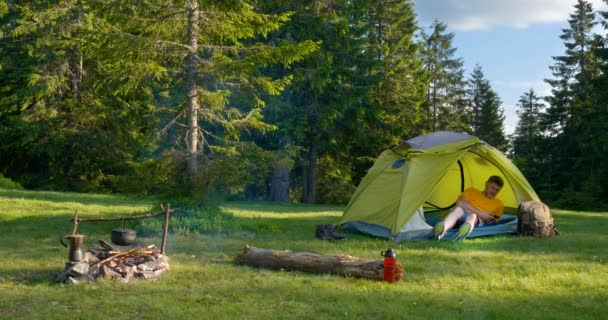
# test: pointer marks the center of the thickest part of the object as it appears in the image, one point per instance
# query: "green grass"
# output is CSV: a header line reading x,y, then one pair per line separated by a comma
x,y
503,277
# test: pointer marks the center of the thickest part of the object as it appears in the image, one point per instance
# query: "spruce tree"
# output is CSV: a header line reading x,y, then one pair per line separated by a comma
x,y
62,128
93,80
321,89
573,107
388,81
487,115
359,94
403,81
573,71
527,137
208,57
596,122
446,96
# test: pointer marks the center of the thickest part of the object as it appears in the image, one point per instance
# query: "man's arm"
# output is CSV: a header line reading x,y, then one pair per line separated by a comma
x,y
484,216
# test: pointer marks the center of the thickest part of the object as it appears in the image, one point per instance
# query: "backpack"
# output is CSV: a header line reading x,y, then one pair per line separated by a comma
x,y
534,219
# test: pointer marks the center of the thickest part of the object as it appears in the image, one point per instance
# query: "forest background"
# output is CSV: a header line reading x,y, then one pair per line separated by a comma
x,y
273,100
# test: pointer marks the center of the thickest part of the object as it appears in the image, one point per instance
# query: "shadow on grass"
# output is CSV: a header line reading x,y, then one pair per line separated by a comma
x,y
289,229
28,276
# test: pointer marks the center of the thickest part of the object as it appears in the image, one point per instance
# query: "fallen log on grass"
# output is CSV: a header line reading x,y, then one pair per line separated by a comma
x,y
343,265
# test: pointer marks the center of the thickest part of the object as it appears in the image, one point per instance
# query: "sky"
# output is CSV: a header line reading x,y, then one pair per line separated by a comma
x,y
512,40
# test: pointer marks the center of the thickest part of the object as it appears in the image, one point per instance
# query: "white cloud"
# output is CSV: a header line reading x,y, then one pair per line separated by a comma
x,y
509,129
541,88
486,14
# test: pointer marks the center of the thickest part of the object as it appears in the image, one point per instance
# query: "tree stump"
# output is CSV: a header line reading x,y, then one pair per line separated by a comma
x,y
343,265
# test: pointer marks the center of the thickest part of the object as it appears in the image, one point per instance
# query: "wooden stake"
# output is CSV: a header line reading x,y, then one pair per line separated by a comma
x,y
141,216
165,229
165,211
75,222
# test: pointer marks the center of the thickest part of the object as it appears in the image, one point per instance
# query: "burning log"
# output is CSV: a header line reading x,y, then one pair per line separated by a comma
x,y
344,265
142,262
107,246
149,250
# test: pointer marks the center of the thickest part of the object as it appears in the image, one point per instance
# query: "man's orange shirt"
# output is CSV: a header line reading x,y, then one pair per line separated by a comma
x,y
478,200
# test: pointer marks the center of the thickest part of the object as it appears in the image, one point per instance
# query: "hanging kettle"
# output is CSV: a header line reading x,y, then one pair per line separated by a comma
x,y
123,237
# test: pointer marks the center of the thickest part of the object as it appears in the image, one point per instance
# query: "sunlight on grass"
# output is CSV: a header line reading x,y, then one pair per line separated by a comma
x,y
283,215
17,204
282,212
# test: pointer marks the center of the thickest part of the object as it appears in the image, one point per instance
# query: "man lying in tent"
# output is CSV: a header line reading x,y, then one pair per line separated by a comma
x,y
473,208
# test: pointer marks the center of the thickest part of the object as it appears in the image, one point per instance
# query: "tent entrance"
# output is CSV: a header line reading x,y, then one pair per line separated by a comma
x,y
461,169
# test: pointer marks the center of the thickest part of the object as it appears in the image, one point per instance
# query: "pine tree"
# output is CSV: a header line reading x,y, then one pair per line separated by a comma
x,y
62,129
305,113
89,80
208,57
527,137
360,93
529,129
573,71
596,121
403,81
572,107
386,79
487,115
446,95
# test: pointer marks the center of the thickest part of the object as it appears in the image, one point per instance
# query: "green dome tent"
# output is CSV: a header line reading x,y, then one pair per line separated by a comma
x,y
430,172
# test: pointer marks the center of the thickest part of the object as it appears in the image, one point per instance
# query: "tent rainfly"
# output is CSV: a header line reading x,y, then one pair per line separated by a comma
x,y
430,171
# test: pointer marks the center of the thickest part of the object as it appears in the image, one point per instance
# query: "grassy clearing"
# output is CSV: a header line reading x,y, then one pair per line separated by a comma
x,y
503,277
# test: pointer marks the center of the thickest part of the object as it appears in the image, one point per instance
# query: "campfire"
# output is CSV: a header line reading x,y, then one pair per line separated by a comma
x,y
138,261
108,262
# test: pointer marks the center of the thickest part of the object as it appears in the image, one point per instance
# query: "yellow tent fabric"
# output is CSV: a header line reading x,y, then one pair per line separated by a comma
x,y
431,170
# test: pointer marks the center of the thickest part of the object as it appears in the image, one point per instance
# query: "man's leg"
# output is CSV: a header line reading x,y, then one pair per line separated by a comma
x,y
467,227
448,222
472,220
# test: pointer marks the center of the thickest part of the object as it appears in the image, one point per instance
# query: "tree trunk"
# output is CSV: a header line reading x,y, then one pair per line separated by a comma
x,y
344,265
193,106
434,101
310,175
76,67
279,187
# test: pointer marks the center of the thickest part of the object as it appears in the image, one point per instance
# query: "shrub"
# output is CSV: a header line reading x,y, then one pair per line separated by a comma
x,y
192,217
334,183
258,224
9,184
152,177
235,171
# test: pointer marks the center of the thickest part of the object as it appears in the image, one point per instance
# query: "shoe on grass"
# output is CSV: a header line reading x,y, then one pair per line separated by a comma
x,y
334,234
439,230
463,232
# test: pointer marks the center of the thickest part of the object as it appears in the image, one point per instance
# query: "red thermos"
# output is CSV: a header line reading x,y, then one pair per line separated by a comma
x,y
389,265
